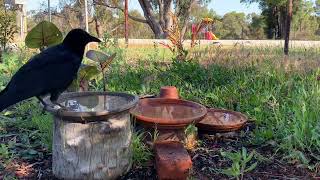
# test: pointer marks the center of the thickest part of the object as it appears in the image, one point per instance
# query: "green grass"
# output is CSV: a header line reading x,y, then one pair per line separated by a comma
x,y
281,96
140,152
44,123
157,52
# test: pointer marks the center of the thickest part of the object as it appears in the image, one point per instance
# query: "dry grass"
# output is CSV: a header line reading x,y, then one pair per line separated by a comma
x,y
303,60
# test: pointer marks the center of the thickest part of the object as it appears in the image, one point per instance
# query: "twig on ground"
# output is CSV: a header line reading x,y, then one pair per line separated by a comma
x,y
8,135
4,118
280,176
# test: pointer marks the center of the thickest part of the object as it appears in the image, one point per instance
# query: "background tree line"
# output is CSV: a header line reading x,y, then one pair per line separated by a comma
x,y
107,16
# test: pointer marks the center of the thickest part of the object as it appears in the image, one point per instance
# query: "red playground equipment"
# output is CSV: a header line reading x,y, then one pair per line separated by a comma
x,y
208,35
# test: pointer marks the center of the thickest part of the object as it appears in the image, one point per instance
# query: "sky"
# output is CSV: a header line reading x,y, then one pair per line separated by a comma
x,y
220,6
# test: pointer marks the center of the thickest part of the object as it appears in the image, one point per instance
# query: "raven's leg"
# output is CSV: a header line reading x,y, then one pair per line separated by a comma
x,y
54,97
45,105
42,101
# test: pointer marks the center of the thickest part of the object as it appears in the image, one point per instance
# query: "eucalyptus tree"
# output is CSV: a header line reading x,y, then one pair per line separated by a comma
x,y
278,14
275,13
8,27
157,13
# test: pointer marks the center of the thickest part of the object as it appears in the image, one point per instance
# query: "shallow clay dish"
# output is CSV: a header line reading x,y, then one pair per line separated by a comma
x,y
219,120
168,113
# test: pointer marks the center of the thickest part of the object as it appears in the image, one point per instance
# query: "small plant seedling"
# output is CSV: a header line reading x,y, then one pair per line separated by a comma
x,y
4,151
103,60
155,135
191,129
89,72
191,136
5,155
174,35
86,73
176,39
240,162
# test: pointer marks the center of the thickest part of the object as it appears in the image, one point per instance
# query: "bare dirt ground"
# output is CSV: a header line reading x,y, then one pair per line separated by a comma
x,y
206,158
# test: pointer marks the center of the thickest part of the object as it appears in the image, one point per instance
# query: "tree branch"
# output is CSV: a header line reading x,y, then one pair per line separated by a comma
x,y
90,22
119,25
61,16
121,9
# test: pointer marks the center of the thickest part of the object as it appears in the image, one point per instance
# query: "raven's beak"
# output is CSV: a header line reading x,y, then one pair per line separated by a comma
x,y
94,39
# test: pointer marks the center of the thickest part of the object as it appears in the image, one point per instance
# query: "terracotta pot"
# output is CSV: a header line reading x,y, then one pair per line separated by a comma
x,y
169,92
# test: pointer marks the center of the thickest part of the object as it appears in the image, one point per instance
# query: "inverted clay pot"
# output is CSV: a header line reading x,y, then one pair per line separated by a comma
x,y
169,92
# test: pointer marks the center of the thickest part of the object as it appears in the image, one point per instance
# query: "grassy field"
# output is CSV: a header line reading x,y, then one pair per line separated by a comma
x,y
280,95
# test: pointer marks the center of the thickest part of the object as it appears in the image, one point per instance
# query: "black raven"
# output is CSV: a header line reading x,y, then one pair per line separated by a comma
x,y
50,72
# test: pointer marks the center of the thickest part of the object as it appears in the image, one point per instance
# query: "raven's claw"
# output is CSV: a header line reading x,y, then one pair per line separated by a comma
x,y
61,107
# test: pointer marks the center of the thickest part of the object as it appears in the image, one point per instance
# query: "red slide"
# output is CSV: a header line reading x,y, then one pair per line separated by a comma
x,y
210,36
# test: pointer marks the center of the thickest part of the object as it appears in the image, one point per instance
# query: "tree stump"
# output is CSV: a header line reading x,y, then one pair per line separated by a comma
x,y
92,136
96,150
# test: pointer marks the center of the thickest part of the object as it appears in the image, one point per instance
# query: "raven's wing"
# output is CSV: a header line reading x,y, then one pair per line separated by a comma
x,y
52,70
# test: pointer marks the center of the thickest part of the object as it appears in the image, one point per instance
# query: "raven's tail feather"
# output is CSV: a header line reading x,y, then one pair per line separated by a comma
x,y
3,91
6,99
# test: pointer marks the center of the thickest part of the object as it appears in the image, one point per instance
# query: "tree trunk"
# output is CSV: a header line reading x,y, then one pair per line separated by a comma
x,y
1,56
161,24
278,30
97,22
183,12
283,17
288,25
164,15
126,23
151,19
98,27
81,15
161,12
96,150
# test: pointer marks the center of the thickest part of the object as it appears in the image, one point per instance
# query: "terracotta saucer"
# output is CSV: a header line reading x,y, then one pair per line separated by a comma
x,y
220,120
168,113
